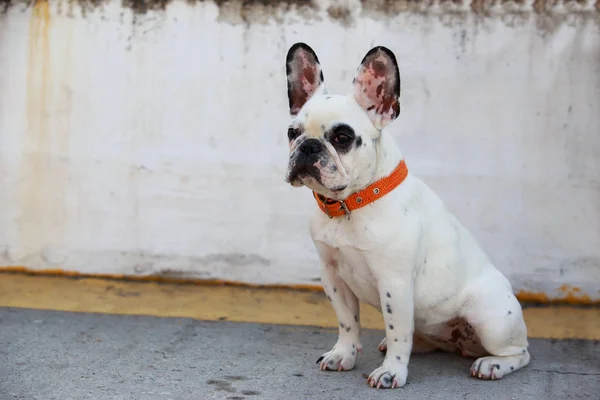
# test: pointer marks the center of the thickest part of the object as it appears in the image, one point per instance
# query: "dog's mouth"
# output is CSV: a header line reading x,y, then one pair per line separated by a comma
x,y
316,171
302,168
294,173
303,178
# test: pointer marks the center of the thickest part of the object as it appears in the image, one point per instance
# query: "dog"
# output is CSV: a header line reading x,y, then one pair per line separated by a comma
x,y
385,238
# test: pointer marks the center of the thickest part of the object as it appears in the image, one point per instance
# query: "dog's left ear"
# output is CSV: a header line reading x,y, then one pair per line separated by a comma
x,y
376,86
304,76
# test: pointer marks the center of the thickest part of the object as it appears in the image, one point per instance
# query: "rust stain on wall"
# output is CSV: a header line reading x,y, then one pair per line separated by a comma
x,y
261,8
391,7
340,13
243,6
572,297
34,165
43,173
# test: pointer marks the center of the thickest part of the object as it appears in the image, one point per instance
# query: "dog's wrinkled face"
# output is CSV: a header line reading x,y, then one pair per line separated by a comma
x,y
333,139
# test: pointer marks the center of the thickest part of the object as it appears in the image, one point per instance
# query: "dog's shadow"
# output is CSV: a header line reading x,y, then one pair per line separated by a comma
x,y
423,367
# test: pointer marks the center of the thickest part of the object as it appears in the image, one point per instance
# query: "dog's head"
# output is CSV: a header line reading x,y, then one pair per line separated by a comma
x,y
333,138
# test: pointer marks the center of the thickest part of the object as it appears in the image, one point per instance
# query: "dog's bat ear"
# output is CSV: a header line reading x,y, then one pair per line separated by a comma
x,y
304,76
376,86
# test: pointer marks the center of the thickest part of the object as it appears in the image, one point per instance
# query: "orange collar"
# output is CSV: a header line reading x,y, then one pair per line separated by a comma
x,y
335,208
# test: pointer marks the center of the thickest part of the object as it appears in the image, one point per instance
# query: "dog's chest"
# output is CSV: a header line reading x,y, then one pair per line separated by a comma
x,y
355,272
348,246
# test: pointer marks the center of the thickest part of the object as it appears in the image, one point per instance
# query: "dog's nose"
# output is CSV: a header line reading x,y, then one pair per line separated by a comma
x,y
311,146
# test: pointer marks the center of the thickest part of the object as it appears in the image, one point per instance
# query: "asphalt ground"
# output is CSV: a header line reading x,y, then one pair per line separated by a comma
x,y
64,338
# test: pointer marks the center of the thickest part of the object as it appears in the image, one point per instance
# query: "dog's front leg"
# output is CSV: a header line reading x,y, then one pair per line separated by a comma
x,y
345,304
396,296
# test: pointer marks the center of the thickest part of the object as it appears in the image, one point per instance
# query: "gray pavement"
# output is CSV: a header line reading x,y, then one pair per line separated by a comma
x,y
49,355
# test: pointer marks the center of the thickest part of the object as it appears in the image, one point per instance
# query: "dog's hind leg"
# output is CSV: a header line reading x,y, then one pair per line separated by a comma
x,y
496,315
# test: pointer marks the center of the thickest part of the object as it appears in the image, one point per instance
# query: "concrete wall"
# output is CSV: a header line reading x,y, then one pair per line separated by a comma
x,y
143,142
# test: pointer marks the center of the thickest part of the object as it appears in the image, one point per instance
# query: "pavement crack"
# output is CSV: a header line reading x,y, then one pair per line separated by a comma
x,y
553,371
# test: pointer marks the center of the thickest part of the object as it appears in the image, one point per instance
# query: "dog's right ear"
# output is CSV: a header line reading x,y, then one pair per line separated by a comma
x,y
304,76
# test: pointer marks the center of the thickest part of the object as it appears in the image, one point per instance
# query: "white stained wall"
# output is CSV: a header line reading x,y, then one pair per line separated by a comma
x,y
156,143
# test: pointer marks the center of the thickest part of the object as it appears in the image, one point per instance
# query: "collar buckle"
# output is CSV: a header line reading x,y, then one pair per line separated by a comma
x,y
344,207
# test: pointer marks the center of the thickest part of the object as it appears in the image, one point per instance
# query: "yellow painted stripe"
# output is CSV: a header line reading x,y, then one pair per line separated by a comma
x,y
570,295
239,304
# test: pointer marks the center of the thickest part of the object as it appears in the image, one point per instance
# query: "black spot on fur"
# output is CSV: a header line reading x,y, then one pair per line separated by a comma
x,y
512,368
391,326
395,339
356,319
353,346
320,359
359,142
329,298
321,76
342,325
497,366
509,312
327,97
388,295
398,358
334,289
342,137
387,381
524,351
388,308
348,329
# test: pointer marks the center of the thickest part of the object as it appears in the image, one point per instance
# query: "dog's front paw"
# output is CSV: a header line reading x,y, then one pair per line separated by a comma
x,y
341,358
390,375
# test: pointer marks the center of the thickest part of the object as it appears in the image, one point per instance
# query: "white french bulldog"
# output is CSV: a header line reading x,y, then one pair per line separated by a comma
x,y
385,238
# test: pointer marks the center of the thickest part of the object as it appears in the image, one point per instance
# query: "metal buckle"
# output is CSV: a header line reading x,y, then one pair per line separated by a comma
x,y
327,211
323,203
345,208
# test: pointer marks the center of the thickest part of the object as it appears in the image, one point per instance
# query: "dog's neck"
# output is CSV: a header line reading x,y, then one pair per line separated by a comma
x,y
388,157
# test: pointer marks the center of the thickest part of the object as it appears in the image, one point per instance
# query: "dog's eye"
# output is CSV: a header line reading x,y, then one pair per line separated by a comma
x,y
293,133
342,134
341,138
